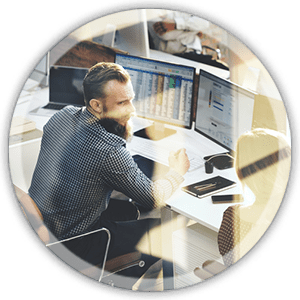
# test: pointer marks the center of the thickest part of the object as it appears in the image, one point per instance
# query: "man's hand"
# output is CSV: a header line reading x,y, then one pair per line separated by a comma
x,y
179,162
164,26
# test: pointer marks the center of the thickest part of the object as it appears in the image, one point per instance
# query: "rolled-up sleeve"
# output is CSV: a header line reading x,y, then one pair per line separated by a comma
x,y
192,23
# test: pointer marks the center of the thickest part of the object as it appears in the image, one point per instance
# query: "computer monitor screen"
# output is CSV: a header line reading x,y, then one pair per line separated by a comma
x,y
224,110
65,85
163,91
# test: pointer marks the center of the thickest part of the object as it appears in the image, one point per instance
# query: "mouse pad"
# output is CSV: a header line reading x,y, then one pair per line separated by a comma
x,y
221,161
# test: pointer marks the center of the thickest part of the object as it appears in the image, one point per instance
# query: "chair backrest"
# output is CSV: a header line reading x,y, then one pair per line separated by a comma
x,y
22,160
33,214
35,218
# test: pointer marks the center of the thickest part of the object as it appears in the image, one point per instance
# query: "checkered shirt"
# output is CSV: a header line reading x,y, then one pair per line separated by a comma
x,y
78,167
232,234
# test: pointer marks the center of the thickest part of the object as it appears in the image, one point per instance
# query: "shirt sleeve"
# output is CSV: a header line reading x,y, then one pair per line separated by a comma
x,y
122,174
192,23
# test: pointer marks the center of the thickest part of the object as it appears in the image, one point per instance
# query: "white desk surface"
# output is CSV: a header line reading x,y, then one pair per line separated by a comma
x,y
201,210
30,102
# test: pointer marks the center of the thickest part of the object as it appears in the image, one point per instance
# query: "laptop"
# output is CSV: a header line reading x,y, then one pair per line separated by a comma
x,y
65,88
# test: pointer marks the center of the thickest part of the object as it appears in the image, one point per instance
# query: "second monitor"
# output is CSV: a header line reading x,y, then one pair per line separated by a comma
x,y
224,112
163,93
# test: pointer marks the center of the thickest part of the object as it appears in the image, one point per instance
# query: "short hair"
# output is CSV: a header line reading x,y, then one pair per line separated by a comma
x,y
98,76
263,159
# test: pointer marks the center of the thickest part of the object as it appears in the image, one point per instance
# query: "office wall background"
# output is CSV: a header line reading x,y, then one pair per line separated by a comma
x,y
25,26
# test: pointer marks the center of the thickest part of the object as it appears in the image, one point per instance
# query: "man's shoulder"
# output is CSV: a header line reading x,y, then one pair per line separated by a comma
x,y
70,110
82,123
66,112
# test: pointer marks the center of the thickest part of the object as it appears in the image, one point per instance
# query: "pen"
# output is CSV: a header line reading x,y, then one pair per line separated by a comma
x,y
204,187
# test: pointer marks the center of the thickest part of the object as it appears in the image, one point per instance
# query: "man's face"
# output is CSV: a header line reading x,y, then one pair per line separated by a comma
x,y
118,103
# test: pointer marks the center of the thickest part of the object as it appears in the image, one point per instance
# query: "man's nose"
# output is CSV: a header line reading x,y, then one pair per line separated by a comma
x,y
132,108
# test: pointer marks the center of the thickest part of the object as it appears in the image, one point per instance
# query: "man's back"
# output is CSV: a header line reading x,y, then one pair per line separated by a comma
x,y
67,184
79,165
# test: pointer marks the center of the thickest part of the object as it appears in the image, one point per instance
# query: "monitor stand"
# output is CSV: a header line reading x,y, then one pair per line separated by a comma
x,y
155,132
221,161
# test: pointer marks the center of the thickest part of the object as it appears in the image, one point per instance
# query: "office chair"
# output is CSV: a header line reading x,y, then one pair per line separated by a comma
x,y
217,51
108,268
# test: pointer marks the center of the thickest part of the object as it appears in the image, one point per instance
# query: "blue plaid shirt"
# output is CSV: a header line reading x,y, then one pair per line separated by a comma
x,y
79,166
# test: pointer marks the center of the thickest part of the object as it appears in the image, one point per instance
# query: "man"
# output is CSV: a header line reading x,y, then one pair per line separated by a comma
x,y
180,34
177,32
83,158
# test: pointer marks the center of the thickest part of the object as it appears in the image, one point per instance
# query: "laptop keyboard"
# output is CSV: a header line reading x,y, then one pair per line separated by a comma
x,y
54,106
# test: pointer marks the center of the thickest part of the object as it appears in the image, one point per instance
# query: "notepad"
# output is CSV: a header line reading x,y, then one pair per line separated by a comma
x,y
20,125
208,187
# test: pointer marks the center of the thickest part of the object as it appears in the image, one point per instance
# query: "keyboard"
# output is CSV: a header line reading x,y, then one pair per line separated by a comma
x,y
161,154
54,106
59,106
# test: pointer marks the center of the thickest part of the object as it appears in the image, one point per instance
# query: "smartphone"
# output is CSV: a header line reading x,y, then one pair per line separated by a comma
x,y
237,198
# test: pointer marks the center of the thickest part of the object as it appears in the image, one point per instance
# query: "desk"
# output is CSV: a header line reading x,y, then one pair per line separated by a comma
x,y
181,202
183,209
26,104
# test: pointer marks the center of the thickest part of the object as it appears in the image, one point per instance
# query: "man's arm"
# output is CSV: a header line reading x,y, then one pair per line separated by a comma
x,y
191,23
164,26
123,174
182,22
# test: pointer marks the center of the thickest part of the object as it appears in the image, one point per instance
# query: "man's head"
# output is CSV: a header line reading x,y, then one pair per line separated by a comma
x,y
98,76
108,93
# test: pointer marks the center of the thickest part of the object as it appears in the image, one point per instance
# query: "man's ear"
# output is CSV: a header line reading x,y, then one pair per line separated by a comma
x,y
96,105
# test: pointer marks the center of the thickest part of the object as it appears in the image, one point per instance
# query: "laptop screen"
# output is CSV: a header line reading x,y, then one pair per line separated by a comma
x,y
65,85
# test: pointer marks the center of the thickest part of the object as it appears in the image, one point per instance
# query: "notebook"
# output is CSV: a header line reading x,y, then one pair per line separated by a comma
x,y
65,88
208,187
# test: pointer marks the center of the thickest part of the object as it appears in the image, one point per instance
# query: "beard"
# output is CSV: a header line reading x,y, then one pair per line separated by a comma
x,y
114,127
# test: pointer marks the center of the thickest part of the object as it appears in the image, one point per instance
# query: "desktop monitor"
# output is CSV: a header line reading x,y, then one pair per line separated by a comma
x,y
134,39
224,110
163,93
